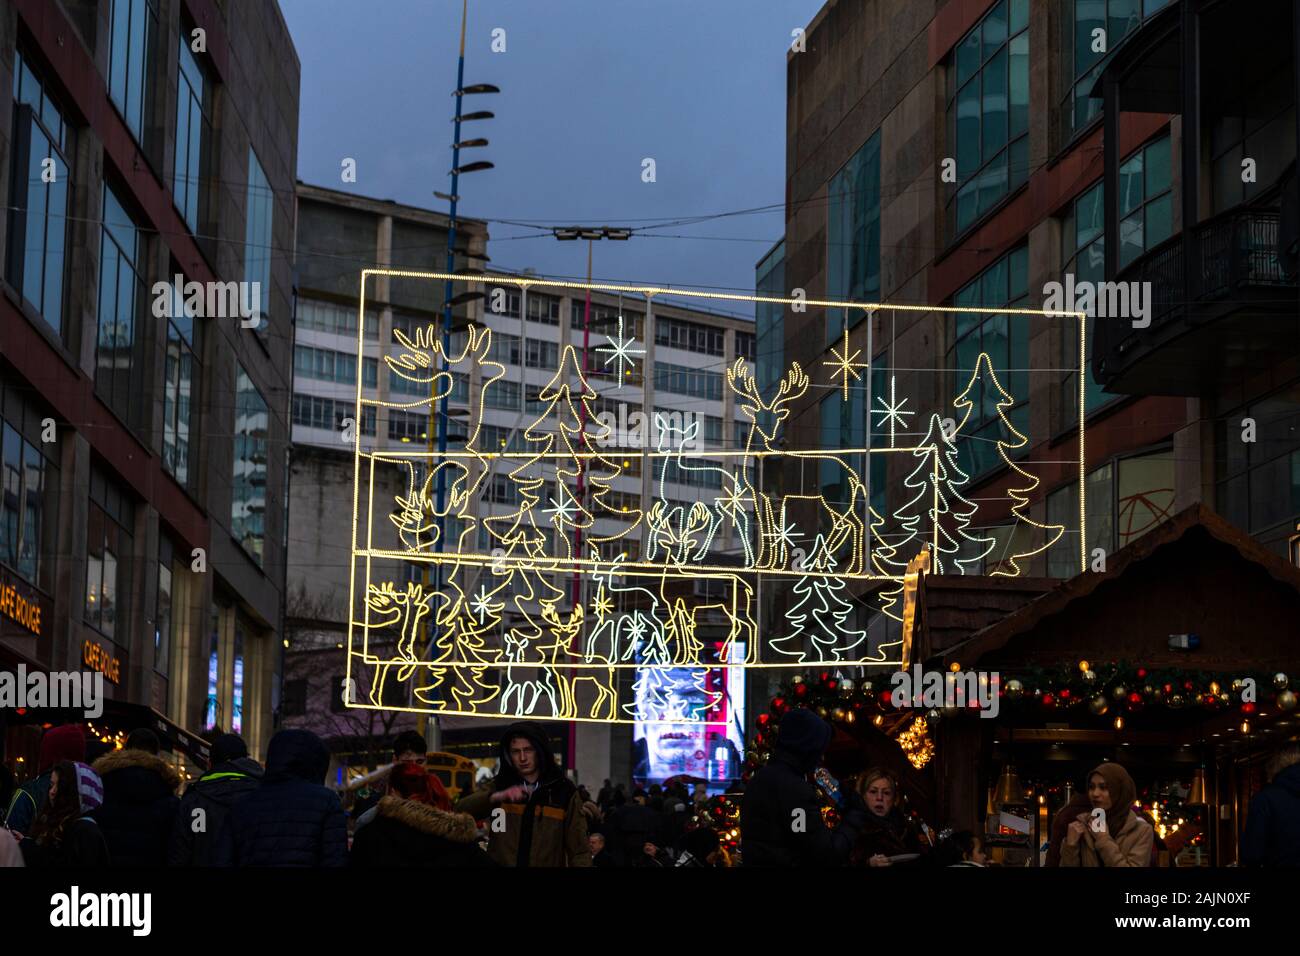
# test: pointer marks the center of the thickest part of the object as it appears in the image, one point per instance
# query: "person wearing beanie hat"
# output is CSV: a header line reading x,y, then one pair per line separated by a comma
x,y
65,834
414,826
1125,839
780,814
233,776
59,743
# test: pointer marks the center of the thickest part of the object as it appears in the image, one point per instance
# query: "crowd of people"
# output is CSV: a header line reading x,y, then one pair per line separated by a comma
x,y
123,808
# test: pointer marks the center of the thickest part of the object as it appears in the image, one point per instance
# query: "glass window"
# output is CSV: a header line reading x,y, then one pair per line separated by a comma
x,y
543,308
1006,342
248,492
680,334
257,244
39,176
503,300
134,25
542,354
1084,256
988,112
163,620
1091,29
502,394
683,380
1146,200
121,299
853,235
407,426
1145,495
193,132
110,529
180,389
28,480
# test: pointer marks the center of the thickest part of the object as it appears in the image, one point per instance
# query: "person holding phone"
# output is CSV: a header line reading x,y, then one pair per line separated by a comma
x,y
780,815
1110,833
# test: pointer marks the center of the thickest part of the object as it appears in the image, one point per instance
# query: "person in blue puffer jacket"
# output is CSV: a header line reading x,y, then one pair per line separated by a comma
x,y
291,819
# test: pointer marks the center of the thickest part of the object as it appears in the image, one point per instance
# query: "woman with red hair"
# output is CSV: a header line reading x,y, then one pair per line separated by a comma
x,y
414,825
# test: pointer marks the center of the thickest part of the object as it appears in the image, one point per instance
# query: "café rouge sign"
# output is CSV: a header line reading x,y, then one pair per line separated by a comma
x,y
18,607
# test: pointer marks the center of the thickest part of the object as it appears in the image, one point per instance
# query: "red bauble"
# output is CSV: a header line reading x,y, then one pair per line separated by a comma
x,y
1142,672
764,719
832,684
1065,693
884,698
1135,698
1169,688
1188,685
801,690
1248,707
1048,700
826,675
778,704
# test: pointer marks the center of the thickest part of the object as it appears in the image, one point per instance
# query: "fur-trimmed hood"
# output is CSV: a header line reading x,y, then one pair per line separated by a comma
x,y
125,759
456,827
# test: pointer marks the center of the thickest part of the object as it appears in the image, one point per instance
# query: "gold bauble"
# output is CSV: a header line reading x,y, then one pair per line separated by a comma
x,y
1119,692
1280,681
1098,705
1090,676
1286,700
1015,689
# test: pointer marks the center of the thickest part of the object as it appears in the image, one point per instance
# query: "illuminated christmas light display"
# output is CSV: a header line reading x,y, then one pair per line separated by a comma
x,y
670,588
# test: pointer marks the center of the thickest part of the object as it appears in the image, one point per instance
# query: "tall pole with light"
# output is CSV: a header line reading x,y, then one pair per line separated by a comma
x,y
569,234
449,302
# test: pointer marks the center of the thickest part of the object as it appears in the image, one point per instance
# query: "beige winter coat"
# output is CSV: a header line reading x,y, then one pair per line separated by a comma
x,y
1130,847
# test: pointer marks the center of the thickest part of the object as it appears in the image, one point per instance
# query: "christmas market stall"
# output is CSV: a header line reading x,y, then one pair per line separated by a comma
x,y
1179,661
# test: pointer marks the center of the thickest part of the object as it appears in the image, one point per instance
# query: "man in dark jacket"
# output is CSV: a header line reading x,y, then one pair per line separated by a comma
x,y
634,826
539,809
140,802
25,804
780,816
207,802
1272,834
291,819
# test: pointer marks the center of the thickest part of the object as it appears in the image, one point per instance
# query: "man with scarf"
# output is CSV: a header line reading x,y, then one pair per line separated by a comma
x,y
780,815
533,812
1124,840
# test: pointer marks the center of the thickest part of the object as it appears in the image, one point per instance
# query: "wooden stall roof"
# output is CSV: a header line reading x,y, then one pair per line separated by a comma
x,y
1195,573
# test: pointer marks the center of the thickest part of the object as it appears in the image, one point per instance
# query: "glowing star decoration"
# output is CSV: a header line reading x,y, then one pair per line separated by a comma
x,y
846,365
668,579
621,351
483,605
892,414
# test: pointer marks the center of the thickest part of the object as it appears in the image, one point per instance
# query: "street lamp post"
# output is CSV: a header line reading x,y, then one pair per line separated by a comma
x,y
453,199
569,234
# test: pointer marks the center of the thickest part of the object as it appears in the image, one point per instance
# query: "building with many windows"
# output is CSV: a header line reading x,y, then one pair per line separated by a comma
x,y
1005,154
677,372
145,355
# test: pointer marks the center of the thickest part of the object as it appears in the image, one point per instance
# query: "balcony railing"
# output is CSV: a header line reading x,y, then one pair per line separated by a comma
x,y
1234,250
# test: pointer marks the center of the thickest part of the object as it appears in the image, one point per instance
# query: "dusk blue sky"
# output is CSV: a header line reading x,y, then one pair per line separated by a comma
x,y
589,89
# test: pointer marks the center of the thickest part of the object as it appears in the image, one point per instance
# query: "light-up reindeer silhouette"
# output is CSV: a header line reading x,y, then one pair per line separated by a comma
x,y
773,548
418,519
404,609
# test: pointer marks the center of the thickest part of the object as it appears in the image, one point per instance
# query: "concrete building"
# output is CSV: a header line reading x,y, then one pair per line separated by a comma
x,y
145,437
996,154
339,235
887,94
681,376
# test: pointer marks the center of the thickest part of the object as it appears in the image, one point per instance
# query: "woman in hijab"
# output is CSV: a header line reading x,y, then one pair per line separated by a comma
x,y
1114,837
888,832
1077,804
